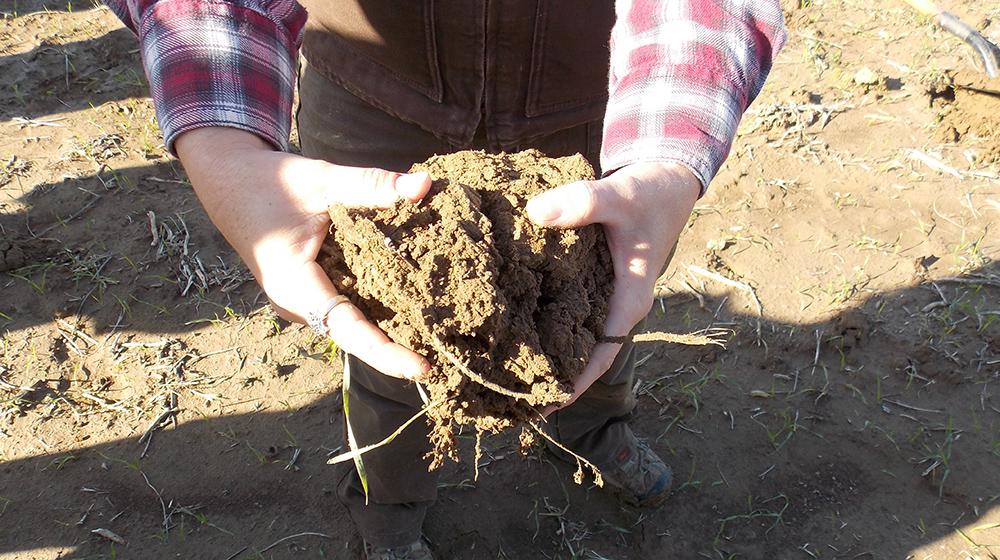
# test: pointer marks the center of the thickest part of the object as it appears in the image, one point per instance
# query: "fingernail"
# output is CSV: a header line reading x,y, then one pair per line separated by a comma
x,y
411,186
543,209
418,371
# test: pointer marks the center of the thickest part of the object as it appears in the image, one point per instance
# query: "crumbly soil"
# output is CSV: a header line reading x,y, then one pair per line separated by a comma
x,y
970,111
466,275
855,417
15,253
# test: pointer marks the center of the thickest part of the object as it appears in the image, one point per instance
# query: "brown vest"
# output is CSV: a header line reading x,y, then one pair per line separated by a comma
x,y
528,67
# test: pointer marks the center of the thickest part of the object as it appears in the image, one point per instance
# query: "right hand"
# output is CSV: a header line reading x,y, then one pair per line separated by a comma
x,y
272,208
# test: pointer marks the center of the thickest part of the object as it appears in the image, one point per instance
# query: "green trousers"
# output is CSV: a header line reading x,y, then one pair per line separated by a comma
x,y
338,127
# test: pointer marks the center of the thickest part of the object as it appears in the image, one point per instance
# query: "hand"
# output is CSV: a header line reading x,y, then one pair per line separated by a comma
x,y
643,208
272,208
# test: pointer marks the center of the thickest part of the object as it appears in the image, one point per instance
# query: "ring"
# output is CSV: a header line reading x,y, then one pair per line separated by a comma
x,y
317,321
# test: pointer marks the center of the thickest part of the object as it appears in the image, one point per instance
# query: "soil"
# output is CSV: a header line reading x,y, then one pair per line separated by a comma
x,y
856,415
968,111
466,274
16,253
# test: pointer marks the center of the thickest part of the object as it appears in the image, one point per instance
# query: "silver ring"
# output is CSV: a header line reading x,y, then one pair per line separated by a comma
x,y
317,321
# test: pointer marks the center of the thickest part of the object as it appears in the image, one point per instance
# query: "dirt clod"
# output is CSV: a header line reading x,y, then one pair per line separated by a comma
x,y
506,311
18,252
973,116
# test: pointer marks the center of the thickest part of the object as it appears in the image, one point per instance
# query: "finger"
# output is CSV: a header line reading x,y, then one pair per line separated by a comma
x,y
362,187
359,187
413,186
572,205
306,288
356,335
601,359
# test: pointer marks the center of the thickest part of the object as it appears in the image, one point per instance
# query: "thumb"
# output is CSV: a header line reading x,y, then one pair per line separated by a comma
x,y
572,205
371,187
366,187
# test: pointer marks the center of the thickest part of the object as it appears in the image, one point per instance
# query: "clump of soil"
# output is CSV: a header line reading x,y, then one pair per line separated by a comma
x,y
18,252
971,114
506,311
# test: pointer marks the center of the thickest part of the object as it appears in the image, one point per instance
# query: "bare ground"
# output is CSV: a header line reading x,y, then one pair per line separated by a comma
x,y
853,414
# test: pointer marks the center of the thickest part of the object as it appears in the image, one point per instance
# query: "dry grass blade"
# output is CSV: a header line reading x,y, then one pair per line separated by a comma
x,y
62,222
356,452
75,331
728,282
423,394
26,122
934,163
290,537
352,442
109,535
979,279
157,423
172,239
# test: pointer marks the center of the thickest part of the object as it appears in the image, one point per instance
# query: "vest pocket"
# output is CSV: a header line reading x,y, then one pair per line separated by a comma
x,y
569,55
399,37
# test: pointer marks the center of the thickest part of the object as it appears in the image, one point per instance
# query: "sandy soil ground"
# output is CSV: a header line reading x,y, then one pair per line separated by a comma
x,y
849,246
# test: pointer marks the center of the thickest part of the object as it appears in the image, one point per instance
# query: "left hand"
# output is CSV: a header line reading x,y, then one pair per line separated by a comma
x,y
643,208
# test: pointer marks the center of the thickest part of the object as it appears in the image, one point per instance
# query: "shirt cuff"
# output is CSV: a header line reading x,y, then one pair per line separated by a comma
x,y
220,64
693,127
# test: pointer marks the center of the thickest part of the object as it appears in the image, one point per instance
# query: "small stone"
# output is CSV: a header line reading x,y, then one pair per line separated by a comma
x,y
866,77
718,244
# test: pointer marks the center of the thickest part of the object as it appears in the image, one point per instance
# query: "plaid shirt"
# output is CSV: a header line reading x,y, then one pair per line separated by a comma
x,y
682,71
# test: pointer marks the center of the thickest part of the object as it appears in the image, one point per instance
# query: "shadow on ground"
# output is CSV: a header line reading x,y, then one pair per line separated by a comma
x,y
54,78
60,244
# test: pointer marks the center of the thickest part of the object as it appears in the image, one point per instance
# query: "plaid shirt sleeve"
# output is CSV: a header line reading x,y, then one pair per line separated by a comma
x,y
682,74
218,62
